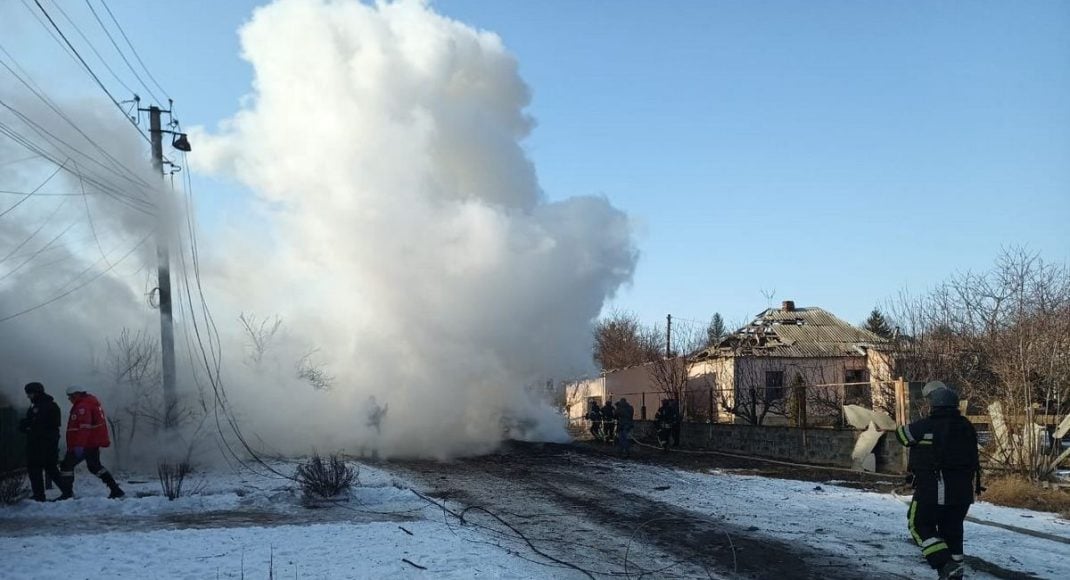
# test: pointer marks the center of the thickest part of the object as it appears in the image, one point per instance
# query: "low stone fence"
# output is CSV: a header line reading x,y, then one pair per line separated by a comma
x,y
817,446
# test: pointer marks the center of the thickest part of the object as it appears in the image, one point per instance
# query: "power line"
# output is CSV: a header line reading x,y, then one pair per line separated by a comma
x,y
132,49
121,54
13,192
48,30
88,69
89,216
35,190
35,232
11,272
78,287
28,82
94,49
105,186
20,160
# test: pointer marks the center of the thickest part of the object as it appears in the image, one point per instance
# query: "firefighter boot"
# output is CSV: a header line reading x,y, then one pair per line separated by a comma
x,y
953,569
116,491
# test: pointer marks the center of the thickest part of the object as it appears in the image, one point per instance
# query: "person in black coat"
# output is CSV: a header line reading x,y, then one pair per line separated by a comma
x,y
41,427
669,414
594,417
609,421
945,469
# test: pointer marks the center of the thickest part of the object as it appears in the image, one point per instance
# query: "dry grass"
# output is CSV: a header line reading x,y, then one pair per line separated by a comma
x,y
1021,493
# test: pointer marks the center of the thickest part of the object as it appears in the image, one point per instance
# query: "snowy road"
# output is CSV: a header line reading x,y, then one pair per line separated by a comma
x,y
591,512
530,511
624,518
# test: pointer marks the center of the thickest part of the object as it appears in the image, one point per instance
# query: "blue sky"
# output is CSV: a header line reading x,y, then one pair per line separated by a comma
x,y
837,152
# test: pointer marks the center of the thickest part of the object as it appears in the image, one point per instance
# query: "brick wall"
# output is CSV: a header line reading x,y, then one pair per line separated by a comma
x,y
817,446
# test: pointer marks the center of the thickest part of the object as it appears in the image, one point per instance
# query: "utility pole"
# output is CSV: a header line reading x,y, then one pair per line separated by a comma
x,y
668,336
163,256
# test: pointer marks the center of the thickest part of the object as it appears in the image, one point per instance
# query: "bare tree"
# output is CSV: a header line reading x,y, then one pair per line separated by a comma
x,y
1001,336
621,340
130,364
671,372
260,332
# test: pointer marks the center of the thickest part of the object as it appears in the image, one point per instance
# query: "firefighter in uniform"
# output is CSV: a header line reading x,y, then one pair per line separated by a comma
x,y
87,433
609,421
594,415
946,473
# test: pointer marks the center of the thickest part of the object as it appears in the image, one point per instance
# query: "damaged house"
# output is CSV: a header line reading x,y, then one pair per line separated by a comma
x,y
791,365
788,366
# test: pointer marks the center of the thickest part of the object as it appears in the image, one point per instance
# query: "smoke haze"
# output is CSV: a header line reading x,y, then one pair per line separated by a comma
x,y
425,288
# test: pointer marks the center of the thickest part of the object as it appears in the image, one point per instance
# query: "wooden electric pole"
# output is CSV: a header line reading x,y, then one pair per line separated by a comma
x,y
668,336
163,256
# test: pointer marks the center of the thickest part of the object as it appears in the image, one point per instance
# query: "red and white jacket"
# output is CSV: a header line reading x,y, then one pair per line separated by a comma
x,y
87,426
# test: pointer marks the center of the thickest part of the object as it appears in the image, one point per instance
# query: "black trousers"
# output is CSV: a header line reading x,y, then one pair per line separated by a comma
x,y
92,461
937,529
675,434
41,463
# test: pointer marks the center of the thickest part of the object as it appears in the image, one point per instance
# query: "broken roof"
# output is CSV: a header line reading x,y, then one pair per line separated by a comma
x,y
796,332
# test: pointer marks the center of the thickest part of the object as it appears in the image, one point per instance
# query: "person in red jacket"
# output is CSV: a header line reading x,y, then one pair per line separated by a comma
x,y
87,433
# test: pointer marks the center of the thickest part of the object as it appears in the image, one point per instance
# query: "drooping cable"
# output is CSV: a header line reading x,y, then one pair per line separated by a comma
x,y
70,291
35,190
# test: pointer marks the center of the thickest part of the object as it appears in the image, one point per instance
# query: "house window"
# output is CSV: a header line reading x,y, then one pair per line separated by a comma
x,y
856,376
856,391
774,385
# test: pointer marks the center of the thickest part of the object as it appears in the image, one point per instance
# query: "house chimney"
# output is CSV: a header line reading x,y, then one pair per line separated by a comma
x,y
788,306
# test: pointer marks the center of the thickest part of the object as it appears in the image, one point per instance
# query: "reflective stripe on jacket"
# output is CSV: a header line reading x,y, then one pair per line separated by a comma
x,y
943,457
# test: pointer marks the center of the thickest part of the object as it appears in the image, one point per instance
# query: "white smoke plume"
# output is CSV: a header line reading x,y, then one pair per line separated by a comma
x,y
425,286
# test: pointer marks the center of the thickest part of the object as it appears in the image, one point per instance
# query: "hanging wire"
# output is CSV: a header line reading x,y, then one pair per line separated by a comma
x,y
123,55
88,68
70,291
132,49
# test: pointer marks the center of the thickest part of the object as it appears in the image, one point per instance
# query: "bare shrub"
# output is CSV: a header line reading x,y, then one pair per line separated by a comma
x,y
12,487
261,333
313,373
329,478
173,477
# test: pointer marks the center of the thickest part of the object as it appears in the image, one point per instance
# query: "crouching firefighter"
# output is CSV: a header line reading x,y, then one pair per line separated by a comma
x,y
87,433
945,471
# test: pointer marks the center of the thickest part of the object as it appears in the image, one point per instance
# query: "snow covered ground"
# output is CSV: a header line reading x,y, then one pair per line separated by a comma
x,y
236,526
243,525
866,526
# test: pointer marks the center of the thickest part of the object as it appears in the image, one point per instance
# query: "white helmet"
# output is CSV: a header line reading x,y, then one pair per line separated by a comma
x,y
932,386
74,389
